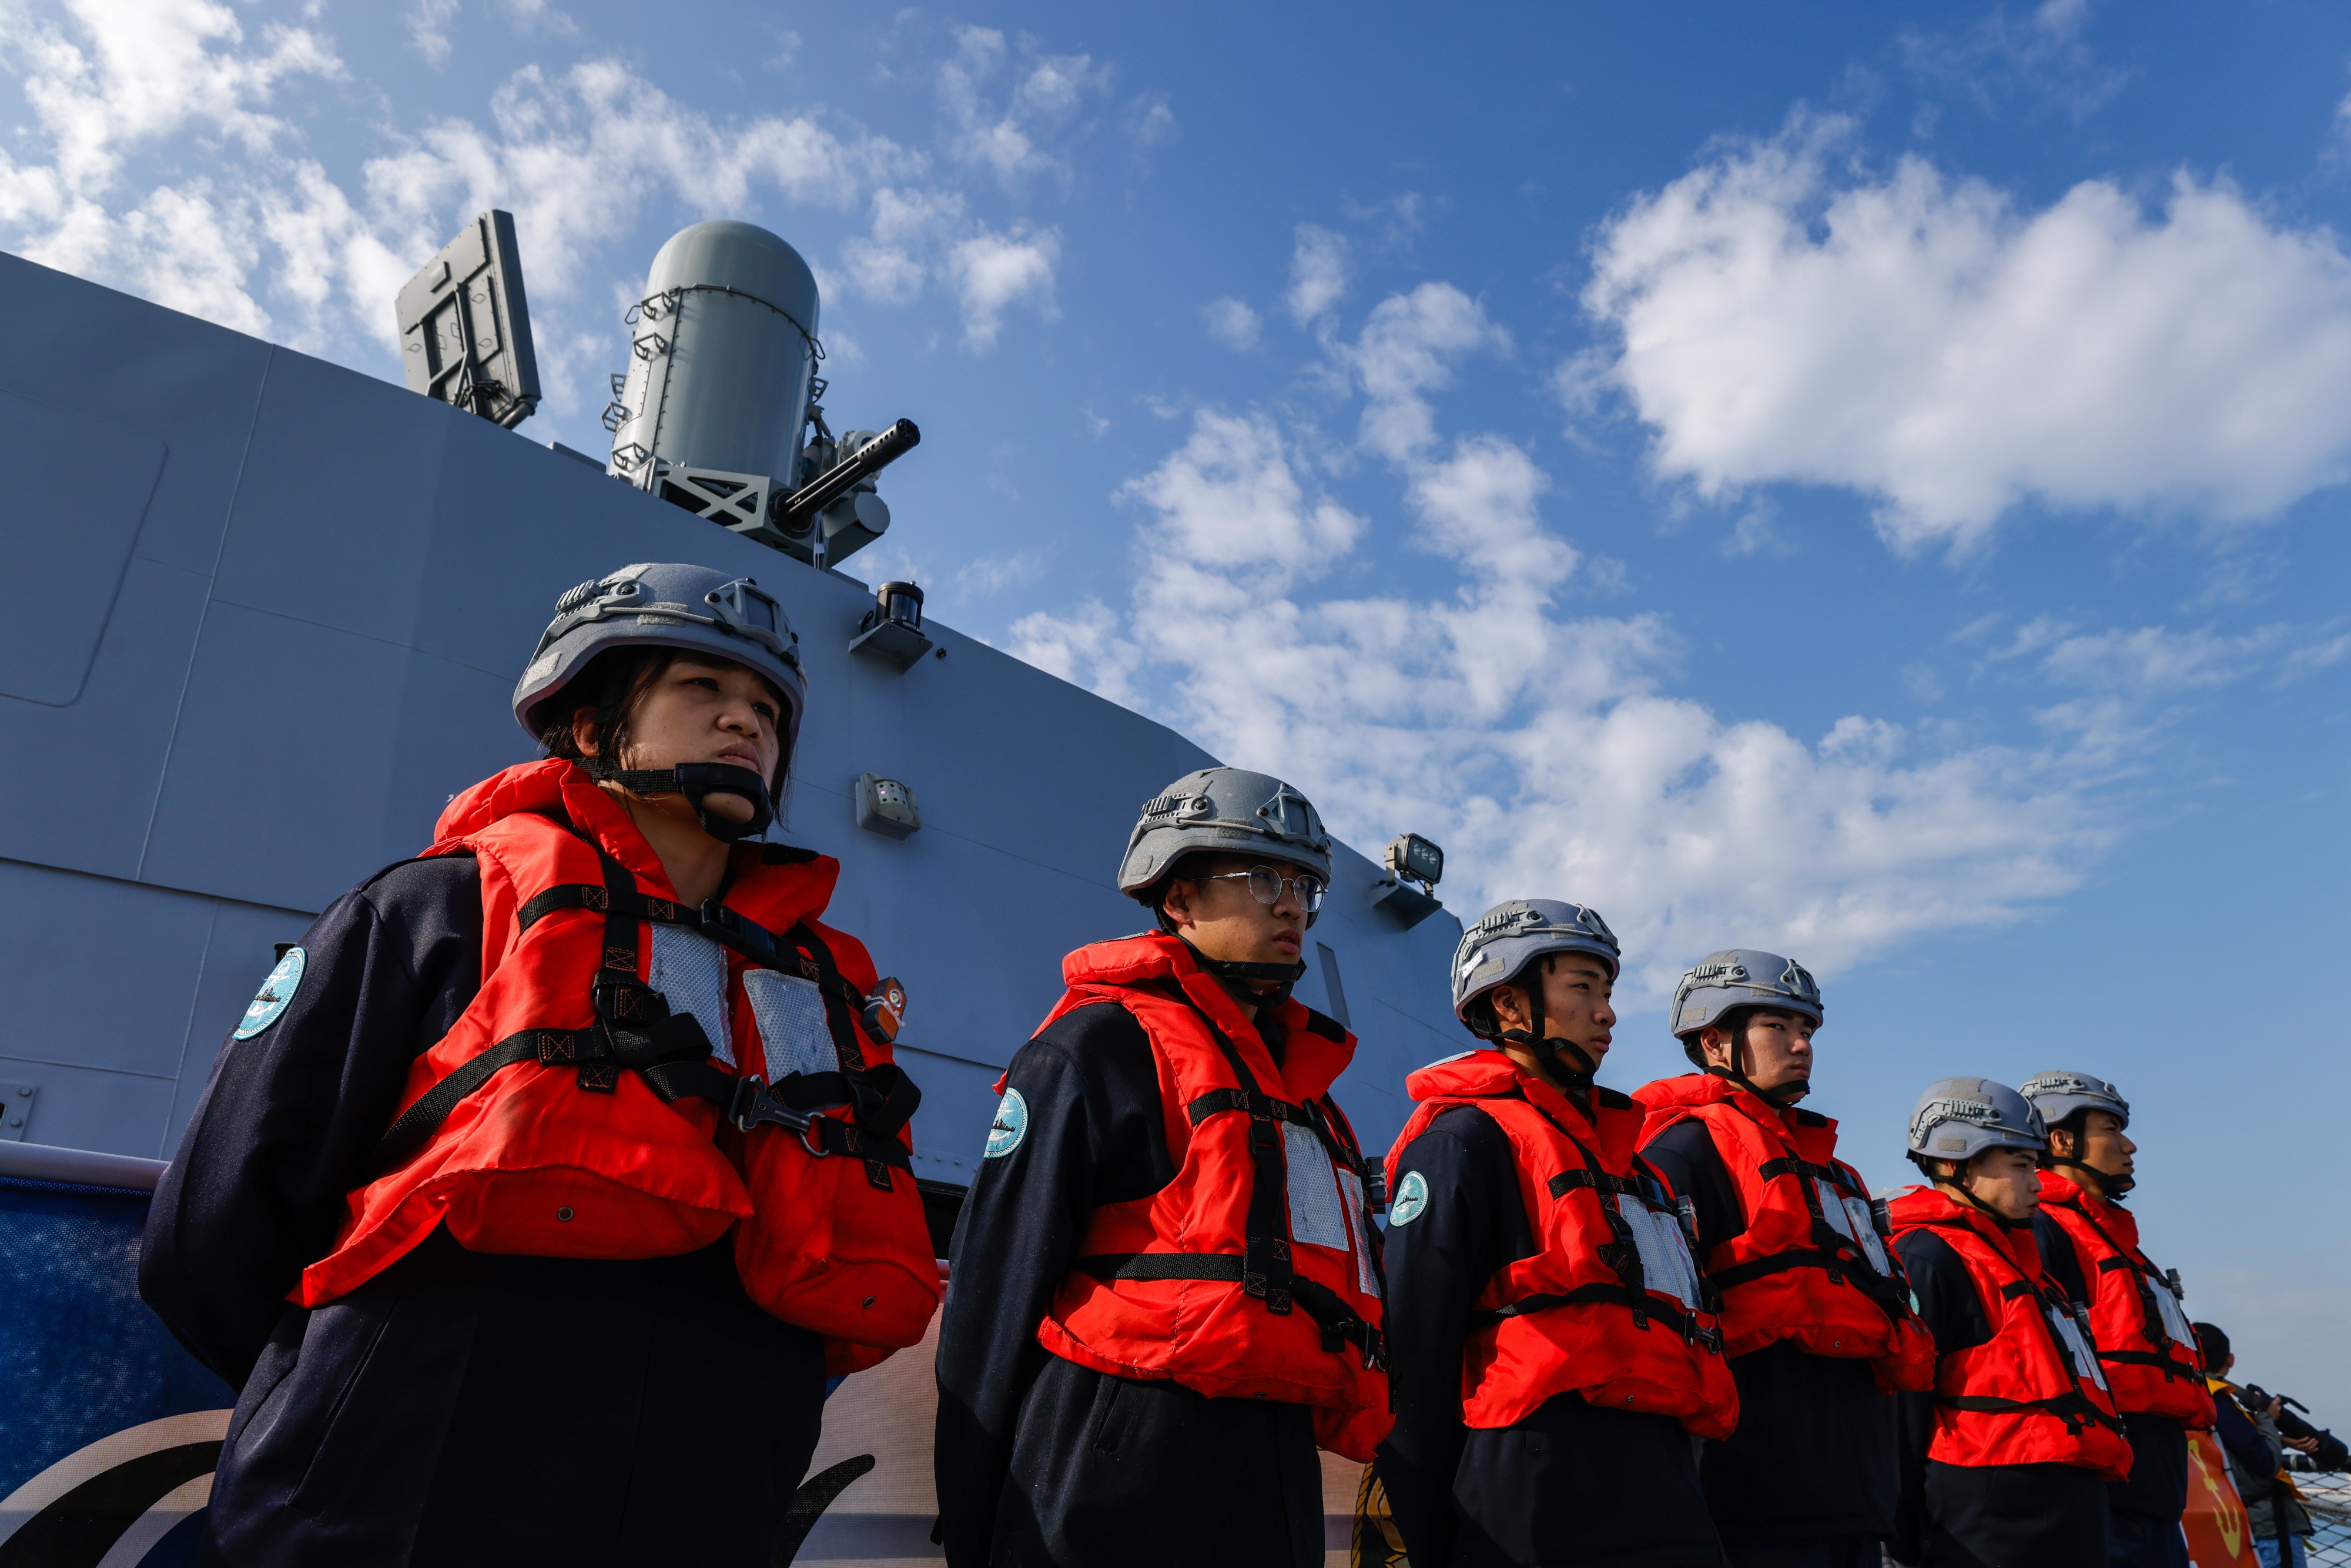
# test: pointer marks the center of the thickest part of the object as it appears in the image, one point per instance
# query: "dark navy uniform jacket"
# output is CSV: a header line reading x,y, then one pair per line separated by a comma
x,y
1570,1483
2002,1513
1041,1461
458,1408
1813,1455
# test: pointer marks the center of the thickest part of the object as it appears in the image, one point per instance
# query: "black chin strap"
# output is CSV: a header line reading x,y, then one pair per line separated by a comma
x,y
1785,1095
2109,1188
1548,1049
1242,978
696,781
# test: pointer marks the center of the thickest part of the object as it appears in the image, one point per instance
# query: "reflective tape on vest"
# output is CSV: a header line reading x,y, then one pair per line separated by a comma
x,y
1358,1216
793,1029
1316,1215
1666,1266
2168,1307
2071,1334
1851,1219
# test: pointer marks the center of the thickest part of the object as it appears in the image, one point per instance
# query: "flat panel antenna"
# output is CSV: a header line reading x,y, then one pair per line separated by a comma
x,y
464,326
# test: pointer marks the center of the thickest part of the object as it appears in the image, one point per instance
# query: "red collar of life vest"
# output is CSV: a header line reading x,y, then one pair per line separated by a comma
x,y
1315,1051
2025,1395
1255,1273
1671,1100
1611,1128
1809,1265
1920,1207
561,788
2145,1342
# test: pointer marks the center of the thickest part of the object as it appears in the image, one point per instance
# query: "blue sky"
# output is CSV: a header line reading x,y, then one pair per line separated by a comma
x,y
1861,480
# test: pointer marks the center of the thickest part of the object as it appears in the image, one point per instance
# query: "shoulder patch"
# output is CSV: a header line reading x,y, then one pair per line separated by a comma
x,y
1809,1118
1411,1198
1611,1098
1328,1027
785,854
275,993
1012,1126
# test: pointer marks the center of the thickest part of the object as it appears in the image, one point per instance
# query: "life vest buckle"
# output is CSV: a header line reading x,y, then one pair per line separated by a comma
x,y
754,1104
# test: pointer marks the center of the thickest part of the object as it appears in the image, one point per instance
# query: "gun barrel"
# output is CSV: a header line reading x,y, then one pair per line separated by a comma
x,y
794,513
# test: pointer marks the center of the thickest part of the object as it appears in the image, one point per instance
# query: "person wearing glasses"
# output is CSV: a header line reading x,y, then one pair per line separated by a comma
x,y
1553,1346
505,1204
1166,1279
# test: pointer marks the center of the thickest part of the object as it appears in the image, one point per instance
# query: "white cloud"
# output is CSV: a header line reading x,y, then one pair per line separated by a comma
x,y
995,271
427,22
1232,322
1318,272
268,241
1538,747
1407,349
1151,121
2153,661
2039,57
991,575
1779,314
1018,137
887,264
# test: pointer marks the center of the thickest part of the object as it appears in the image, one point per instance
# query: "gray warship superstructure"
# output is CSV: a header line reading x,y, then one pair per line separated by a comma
x,y
265,614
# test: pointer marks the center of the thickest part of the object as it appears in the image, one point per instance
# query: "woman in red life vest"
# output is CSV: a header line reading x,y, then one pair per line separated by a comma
x,y
1552,1346
575,1144
2005,1464
1816,1316
2089,1243
1166,1276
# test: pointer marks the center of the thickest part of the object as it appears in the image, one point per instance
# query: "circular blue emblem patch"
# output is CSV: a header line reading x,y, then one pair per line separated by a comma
x,y
276,992
1411,1197
1010,1126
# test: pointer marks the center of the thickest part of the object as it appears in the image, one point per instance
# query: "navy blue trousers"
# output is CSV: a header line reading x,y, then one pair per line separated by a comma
x,y
461,1409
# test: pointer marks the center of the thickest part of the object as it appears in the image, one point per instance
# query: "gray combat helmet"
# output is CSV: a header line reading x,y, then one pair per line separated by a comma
x,y
667,604
1737,977
1958,1118
2058,1093
1223,810
1508,937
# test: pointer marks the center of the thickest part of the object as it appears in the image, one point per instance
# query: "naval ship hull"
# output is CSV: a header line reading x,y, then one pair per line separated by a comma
x,y
266,619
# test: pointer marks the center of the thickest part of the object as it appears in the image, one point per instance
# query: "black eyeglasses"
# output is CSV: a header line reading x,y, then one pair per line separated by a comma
x,y
1264,885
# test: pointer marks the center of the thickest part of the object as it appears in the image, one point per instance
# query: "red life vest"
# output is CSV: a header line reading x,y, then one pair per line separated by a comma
x,y
1255,1272
2143,1335
1611,1306
1810,1267
570,1113
2032,1393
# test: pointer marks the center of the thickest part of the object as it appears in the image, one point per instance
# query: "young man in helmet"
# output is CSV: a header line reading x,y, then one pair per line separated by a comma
x,y
1816,1318
2089,1243
1553,1347
524,1129
2008,1460
1166,1276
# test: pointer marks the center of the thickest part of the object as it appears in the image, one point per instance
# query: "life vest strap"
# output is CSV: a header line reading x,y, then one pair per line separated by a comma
x,y
1791,1164
638,1033
1882,1288
2074,1409
1597,1180
1649,1305
2156,1359
1330,1311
